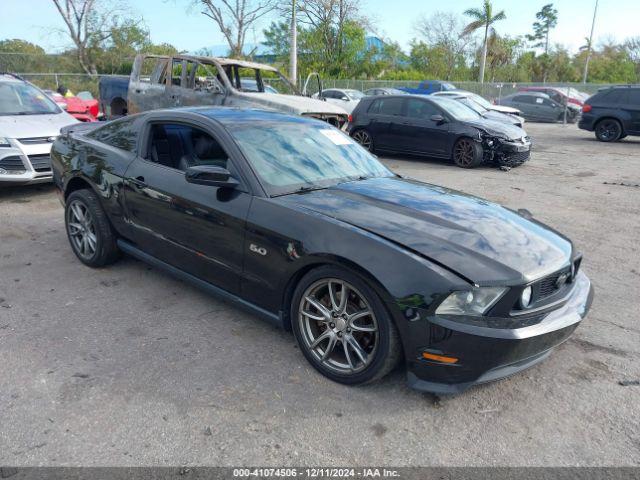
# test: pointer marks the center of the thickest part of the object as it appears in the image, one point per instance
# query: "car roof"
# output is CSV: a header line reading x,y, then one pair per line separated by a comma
x,y
231,115
10,77
531,94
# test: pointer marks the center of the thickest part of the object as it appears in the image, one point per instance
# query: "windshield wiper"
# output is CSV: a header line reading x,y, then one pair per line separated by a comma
x,y
309,188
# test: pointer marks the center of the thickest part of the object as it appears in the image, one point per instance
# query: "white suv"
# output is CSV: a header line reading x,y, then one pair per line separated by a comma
x,y
29,123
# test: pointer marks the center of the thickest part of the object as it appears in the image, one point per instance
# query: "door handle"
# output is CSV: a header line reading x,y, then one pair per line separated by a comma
x,y
139,182
138,90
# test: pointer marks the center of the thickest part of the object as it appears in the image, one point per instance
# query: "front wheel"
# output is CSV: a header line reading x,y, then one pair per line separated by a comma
x,y
467,153
342,327
608,130
364,138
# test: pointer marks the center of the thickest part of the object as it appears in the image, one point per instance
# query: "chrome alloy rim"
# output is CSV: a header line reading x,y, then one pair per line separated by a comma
x,y
363,138
81,229
338,326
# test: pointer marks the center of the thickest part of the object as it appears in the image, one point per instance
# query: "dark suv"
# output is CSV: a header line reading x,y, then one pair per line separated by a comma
x,y
612,113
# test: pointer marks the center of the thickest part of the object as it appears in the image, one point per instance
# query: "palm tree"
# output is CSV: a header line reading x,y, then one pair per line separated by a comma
x,y
483,18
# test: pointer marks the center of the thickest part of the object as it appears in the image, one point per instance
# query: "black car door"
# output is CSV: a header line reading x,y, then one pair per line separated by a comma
x,y
196,228
418,133
384,114
632,108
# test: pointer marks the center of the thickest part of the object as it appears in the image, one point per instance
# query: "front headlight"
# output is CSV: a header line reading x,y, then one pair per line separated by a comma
x,y
4,142
471,302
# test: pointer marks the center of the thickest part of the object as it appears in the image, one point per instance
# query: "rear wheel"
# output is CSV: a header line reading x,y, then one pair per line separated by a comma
x,y
342,327
364,138
608,130
467,153
90,234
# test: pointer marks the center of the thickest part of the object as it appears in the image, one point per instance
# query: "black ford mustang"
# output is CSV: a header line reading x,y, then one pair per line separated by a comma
x,y
293,220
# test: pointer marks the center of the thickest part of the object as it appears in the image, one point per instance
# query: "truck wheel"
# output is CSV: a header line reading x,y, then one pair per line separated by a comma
x,y
118,108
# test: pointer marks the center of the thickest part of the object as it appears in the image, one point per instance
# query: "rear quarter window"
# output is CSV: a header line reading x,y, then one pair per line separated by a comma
x,y
615,96
390,106
119,134
634,97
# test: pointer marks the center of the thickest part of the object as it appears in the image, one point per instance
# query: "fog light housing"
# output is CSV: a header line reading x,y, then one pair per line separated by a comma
x,y
525,297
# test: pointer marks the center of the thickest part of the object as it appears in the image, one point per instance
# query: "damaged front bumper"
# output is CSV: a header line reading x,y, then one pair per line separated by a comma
x,y
487,354
510,153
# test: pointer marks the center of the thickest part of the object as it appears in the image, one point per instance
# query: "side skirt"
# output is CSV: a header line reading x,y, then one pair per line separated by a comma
x,y
272,318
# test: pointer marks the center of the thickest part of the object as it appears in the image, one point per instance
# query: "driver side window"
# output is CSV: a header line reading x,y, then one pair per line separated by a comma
x,y
420,109
181,146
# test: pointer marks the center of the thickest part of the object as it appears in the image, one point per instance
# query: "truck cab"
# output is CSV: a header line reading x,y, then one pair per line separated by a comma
x,y
159,81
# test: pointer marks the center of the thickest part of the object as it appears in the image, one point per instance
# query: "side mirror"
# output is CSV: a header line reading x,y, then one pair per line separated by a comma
x,y
439,119
345,99
211,175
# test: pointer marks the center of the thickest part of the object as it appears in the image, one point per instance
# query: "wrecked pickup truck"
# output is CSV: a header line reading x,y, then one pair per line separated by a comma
x,y
165,82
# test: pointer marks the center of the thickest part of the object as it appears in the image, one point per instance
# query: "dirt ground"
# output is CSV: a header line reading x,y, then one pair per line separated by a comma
x,y
127,366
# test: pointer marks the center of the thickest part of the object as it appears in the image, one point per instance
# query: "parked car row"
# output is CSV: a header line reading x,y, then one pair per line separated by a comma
x,y
448,123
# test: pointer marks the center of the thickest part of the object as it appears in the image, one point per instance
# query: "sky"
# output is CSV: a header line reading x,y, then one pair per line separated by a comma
x,y
178,23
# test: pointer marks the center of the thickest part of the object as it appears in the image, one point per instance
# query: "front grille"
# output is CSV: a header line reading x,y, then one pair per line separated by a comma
x,y
40,163
12,164
34,140
519,157
548,286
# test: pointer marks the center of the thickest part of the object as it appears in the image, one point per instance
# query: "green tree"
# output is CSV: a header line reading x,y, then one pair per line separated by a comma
x,y
483,18
21,56
547,21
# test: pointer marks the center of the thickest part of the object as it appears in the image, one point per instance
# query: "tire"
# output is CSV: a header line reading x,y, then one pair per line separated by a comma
x,y
608,130
375,333
467,153
365,139
85,218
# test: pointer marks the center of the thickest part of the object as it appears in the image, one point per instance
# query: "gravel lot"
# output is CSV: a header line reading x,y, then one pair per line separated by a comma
x,y
127,366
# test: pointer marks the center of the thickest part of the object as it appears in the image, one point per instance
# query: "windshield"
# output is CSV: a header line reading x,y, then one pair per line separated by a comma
x,y
17,98
250,85
481,101
355,94
473,105
456,109
289,156
245,79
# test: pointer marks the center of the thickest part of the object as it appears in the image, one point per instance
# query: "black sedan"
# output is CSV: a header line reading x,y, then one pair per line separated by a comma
x,y
291,219
436,127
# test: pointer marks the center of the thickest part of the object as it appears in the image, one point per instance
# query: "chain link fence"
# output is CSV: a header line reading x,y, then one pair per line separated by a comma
x,y
491,91
77,82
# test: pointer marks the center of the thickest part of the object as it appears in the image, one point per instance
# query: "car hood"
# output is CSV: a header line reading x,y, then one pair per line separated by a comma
x,y
499,129
296,104
26,126
505,109
481,241
501,117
